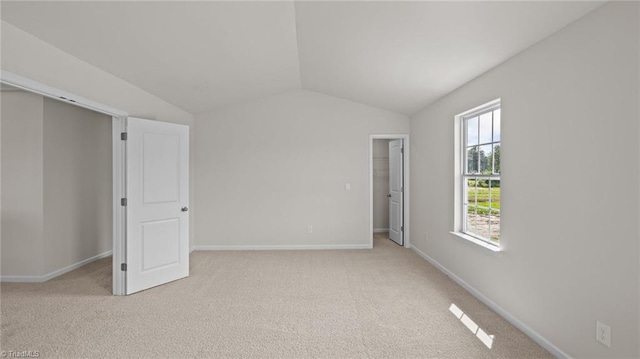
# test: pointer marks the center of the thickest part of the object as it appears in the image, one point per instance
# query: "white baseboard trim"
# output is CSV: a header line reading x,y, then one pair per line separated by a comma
x,y
554,350
278,247
380,230
192,248
59,272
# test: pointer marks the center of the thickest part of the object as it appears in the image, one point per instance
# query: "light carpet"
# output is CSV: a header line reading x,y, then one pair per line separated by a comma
x,y
381,303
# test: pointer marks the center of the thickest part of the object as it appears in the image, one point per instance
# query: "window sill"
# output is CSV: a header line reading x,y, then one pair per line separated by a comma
x,y
474,240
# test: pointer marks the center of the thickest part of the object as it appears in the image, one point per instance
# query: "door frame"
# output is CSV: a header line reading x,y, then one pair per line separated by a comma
x,y
407,187
119,123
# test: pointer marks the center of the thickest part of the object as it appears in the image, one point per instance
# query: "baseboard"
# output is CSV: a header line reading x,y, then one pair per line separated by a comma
x,y
192,248
59,272
543,342
380,230
278,247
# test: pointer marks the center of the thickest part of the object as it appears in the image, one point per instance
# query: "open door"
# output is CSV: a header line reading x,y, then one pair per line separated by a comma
x,y
396,189
157,203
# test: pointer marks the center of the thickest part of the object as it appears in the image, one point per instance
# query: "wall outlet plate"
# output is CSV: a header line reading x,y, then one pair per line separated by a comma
x,y
603,334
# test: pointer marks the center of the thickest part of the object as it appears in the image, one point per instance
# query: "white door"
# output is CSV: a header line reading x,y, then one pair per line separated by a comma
x,y
157,248
396,189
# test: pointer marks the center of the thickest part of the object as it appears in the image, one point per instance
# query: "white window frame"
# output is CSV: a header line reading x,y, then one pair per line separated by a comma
x,y
460,195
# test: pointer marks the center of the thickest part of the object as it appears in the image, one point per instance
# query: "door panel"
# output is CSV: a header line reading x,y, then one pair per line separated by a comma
x,y
161,167
396,195
160,244
157,190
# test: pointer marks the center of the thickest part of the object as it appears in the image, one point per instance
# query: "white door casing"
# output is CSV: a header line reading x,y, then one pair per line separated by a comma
x,y
396,195
157,219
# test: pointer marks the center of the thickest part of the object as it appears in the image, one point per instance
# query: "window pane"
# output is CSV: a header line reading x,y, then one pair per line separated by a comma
x,y
471,221
486,127
470,218
495,194
482,223
485,154
472,131
496,158
483,208
482,195
472,159
494,211
496,125
495,227
472,191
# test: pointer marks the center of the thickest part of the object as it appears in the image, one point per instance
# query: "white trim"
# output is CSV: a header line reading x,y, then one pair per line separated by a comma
x,y
478,109
542,341
192,248
119,212
61,95
407,187
481,243
278,247
59,272
380,230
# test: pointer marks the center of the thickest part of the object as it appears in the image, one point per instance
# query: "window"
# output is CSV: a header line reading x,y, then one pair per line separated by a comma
x,y
480,174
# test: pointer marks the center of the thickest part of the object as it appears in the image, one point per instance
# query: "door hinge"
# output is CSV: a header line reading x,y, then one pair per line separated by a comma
x,y
123,202
401,228
402,189
123,267
123,136
401,149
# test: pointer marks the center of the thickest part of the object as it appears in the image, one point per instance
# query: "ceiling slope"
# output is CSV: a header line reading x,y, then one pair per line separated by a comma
x,y
196,55
399,56
402,56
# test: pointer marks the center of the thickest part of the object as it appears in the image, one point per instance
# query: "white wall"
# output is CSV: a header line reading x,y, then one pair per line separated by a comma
x,y
268,169
380,184
570,162
30,57
22,184
77,185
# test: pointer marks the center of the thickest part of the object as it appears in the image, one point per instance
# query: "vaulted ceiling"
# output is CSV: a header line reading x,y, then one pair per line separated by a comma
x,y
399,56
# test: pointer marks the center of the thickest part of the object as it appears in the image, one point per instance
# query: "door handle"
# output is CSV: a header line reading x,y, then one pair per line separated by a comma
x,y
184,209
389,195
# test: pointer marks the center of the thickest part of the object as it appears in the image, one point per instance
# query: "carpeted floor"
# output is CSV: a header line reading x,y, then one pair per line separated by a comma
x,y
381,303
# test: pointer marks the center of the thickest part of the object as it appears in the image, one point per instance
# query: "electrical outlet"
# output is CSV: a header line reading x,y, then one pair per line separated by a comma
x,y
603,334
309,229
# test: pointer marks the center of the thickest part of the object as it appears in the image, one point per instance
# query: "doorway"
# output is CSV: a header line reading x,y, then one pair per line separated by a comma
x,y
380,159
150,243
118,122
57,188
389,188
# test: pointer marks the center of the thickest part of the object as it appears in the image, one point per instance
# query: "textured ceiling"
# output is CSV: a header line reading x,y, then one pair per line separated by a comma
x,y
399,56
